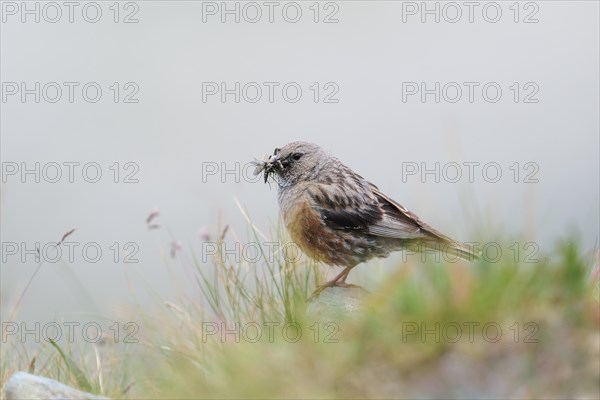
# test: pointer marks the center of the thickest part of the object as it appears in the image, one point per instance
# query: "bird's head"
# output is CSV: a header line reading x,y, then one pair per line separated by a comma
x,y
293,163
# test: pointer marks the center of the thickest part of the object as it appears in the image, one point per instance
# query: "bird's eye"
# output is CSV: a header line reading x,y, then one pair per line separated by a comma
x,y
297,156
276,151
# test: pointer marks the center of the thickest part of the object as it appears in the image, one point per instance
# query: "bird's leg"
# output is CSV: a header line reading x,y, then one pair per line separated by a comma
x,y
339,280
341,277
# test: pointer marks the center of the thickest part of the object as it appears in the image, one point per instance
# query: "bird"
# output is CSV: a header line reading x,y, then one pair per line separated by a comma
x,y
337,217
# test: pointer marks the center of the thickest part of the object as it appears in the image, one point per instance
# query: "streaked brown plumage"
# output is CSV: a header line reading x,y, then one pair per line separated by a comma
x,y
335,216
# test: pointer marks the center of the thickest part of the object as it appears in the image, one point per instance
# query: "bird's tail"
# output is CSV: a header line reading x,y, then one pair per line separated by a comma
x,y
448,247
461,250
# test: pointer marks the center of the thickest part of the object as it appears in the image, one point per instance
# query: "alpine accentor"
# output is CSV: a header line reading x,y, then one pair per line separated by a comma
x,y
336,216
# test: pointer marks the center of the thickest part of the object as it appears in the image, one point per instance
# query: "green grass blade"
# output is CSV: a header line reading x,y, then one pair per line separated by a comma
x,y
74,370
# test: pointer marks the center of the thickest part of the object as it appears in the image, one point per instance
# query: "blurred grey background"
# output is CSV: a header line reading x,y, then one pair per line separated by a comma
x,y
176,138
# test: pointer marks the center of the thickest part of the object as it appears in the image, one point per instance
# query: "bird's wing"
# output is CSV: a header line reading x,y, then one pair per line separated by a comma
x,y
362,207
396,215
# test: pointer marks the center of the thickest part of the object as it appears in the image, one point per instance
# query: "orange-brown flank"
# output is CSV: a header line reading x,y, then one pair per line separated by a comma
x,y
312,236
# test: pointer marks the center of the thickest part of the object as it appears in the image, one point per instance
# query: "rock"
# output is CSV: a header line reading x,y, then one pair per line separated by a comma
x,y
336,302
22,385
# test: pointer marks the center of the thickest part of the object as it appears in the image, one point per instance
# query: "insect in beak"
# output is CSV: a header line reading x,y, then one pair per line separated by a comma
x,y
267,164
